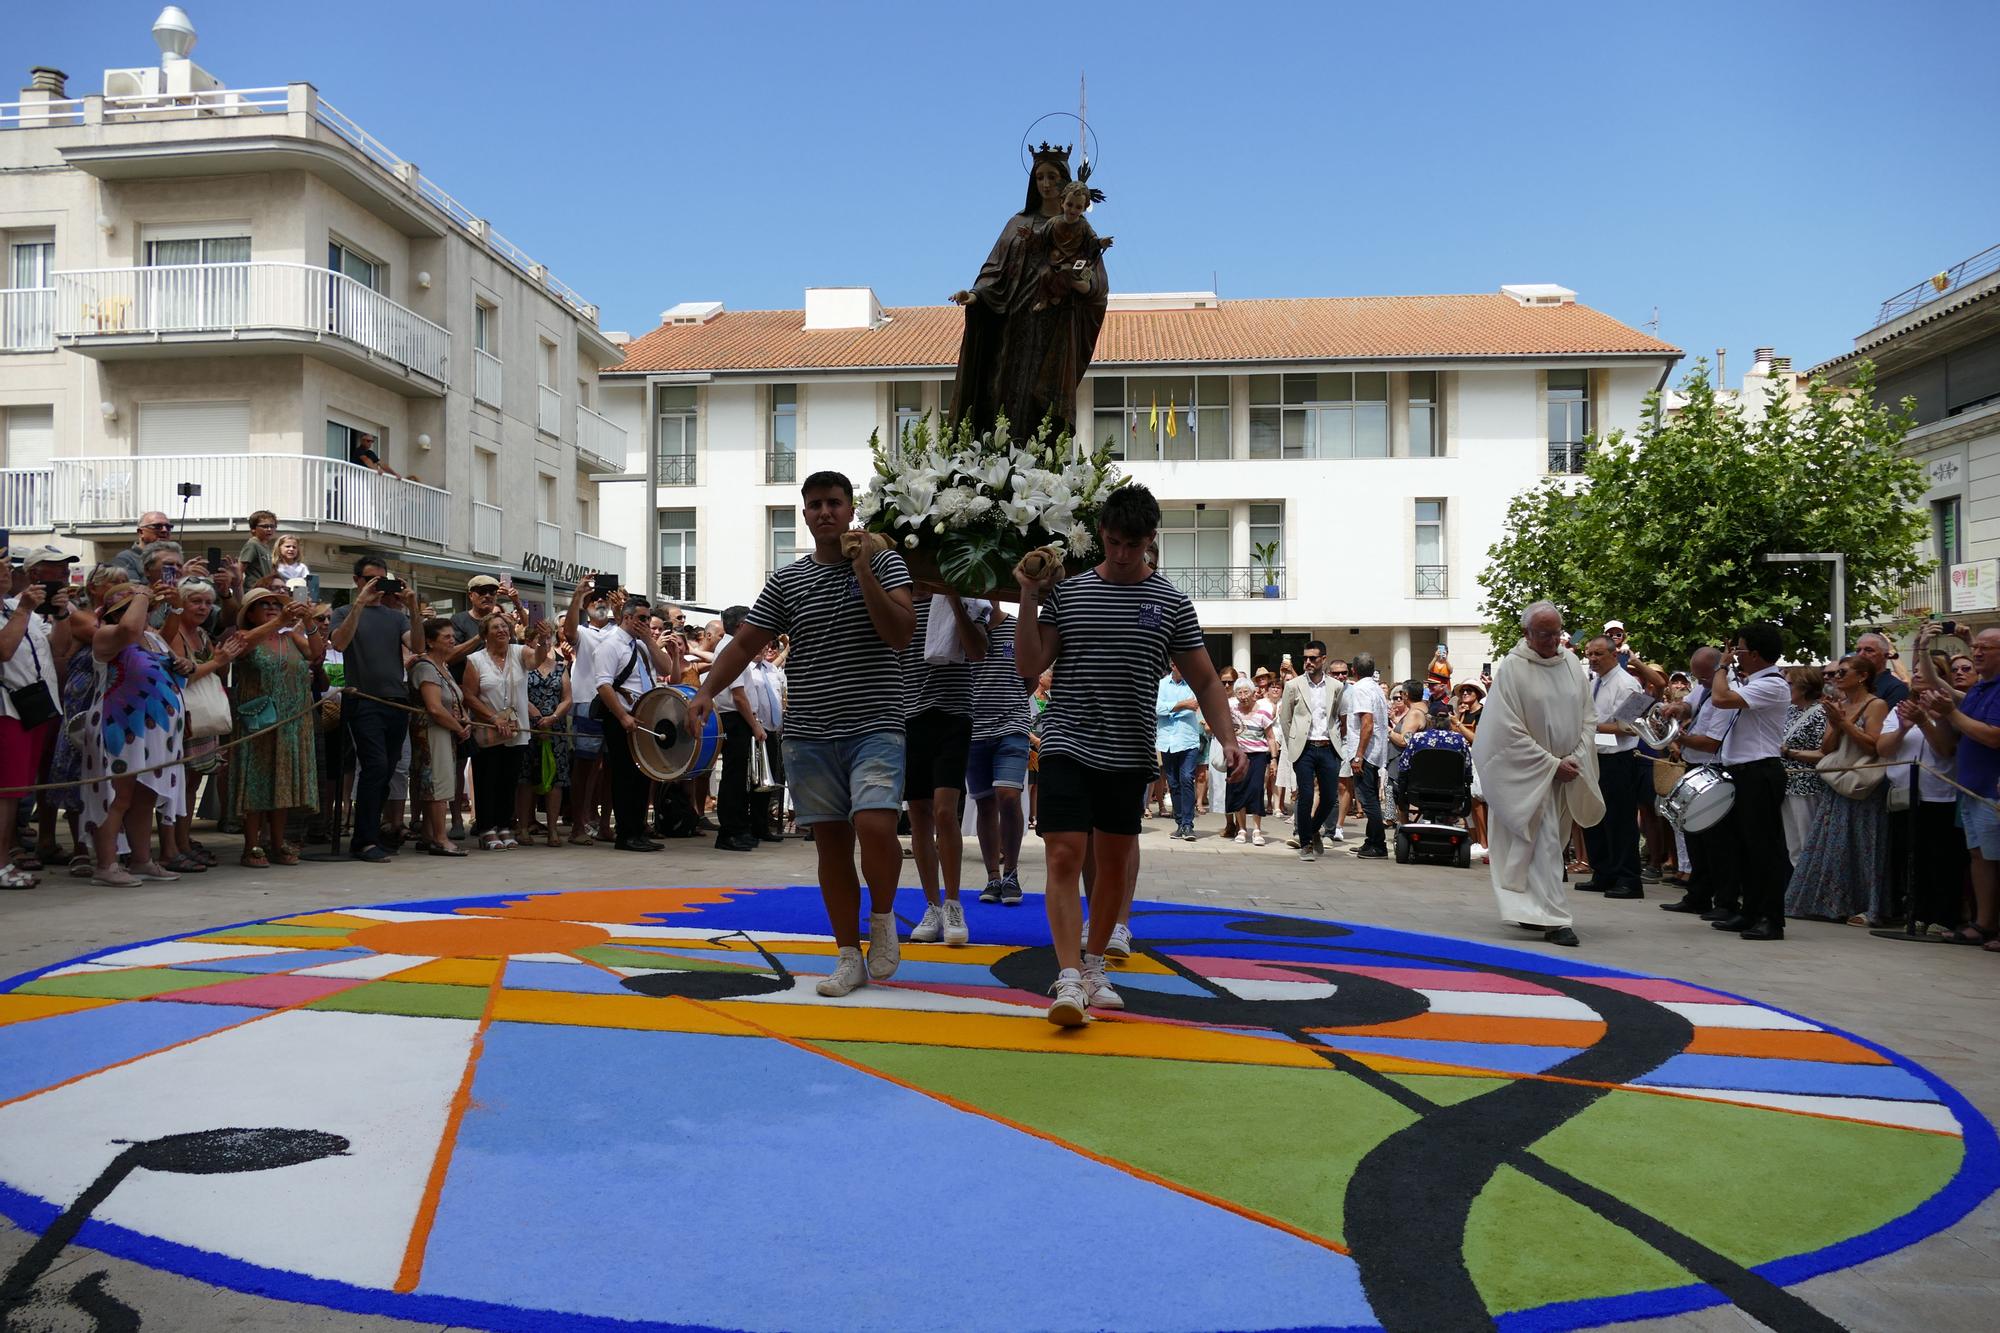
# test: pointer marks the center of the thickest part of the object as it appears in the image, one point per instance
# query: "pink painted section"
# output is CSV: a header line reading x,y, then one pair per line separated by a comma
x,y
1659,988
264,992
1416,978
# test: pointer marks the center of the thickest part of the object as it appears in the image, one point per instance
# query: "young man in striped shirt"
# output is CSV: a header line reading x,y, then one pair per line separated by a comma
x,y
1109,632
997,771
848,617
938,698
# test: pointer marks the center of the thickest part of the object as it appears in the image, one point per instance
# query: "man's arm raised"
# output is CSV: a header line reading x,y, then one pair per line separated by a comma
x,y
742,650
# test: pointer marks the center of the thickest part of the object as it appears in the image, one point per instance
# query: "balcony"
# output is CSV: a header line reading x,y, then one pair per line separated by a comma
x,y
258,307
548,541
27,319
548,411
599,441
781,466
677,585
1925,596
1225,584
487,380
1567,459
303,490
485,529
1960,275
677,470
24,498
1432,581
599,556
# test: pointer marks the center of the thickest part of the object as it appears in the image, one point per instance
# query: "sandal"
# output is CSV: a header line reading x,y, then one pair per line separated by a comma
x,y
23,859
283,855
489,843
579,838
202,853
254,859
13,877
48,853
81,866
1991,946
1971,933
186,864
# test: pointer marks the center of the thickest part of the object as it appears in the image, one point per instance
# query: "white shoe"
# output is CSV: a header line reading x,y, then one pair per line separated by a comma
x,y
955,932
1121,942
930,927
846,978
1478,850
1241,836
1072,1003
884,951
1097,991
1338,836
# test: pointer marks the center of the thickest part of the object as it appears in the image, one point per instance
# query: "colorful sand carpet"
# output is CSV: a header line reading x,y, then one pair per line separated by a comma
x,y
610,1109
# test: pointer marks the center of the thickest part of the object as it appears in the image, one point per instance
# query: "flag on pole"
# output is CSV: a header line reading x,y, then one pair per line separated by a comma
x,y
1171,432
1153,417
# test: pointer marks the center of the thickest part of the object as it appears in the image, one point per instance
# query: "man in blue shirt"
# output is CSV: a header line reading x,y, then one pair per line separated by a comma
x,y
1180,746
1975,717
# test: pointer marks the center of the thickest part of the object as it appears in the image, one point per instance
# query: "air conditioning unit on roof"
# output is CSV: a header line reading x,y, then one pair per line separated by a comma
x,y
141,82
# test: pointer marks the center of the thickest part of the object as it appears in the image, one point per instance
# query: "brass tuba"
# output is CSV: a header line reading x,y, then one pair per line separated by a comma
x,y
1651,731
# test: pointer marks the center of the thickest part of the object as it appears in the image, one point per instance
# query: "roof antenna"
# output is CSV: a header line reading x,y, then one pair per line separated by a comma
x,y
1653,324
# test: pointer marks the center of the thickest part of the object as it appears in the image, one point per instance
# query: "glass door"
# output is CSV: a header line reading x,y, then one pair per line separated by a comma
x,y
677,554
204,283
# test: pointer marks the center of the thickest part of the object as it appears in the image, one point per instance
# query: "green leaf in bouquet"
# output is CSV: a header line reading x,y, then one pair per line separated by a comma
x,y
973,565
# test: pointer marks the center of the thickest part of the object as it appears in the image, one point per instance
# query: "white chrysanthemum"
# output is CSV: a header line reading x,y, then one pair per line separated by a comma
x,y
1080,540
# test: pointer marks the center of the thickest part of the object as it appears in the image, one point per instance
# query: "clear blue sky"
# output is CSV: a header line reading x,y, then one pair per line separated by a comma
x,y
1762,174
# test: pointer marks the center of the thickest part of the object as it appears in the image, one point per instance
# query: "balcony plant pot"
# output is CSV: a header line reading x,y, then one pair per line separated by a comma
x,y
1271,592
924,575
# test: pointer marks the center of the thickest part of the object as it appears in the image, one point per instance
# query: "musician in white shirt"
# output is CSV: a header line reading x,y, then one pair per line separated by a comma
x,y
1613,841
1750,846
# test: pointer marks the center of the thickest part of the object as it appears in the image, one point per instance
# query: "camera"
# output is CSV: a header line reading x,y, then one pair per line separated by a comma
x,y
49,591
388,585
188,489
1950,627
604,583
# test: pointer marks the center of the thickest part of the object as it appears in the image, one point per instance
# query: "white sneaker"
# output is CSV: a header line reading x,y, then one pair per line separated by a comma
x,y
955,932
1338,836
1478,850
884,951
846,978
1242,836
1120,946
1097,991
1072,1003
930,927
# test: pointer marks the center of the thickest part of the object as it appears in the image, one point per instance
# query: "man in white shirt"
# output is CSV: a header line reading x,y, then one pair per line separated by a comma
x,y
1750,849
624,667
767,712
1701,736
588,623
1613,841
1368,722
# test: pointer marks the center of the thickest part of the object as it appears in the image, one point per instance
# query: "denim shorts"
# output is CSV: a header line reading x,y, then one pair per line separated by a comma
x,y
831,780
999,762
586,737
1982,827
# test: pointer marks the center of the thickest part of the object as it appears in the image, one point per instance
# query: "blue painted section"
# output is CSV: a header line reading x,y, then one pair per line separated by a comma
x,y
288,961
561,977
1472,1054
728,1199
1160,983
44,1052
1749,1074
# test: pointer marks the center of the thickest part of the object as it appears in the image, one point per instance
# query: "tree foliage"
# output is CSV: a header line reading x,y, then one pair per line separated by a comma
x,y
1667,530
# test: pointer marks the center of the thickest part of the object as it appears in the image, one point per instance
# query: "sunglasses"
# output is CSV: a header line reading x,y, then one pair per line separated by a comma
x,y
156,527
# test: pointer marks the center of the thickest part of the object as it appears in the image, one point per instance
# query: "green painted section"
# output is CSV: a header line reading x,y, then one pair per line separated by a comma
x,y
134,983
1774,1183
1280,1141
1527,1246
271,933
415,999
611,955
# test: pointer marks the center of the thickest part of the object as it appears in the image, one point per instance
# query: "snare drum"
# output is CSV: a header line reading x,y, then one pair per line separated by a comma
x,y
1698,801
662,746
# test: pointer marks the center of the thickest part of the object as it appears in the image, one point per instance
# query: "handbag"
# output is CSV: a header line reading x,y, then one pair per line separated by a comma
x,y
257,714
207,708
1856,784
34,703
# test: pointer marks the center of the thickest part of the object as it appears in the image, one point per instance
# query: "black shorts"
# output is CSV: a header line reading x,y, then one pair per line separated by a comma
x,y
1077,798
935,747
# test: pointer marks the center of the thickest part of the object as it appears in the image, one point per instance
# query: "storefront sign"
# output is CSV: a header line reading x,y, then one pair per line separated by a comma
x,y
1975,586
562,571
1944,471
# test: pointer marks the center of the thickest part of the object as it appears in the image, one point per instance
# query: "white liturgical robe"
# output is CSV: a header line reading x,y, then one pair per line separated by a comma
x,y
1538,714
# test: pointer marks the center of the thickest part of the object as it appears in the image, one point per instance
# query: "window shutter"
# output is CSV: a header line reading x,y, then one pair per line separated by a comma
x,y
194,428
31,436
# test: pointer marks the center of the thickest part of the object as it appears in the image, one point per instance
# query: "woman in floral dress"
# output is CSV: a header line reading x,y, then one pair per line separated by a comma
x,y
1805,734
132,735
278,772
1839,872
549,703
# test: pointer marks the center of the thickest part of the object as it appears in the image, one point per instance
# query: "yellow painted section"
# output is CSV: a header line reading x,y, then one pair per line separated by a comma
x,y
23,1008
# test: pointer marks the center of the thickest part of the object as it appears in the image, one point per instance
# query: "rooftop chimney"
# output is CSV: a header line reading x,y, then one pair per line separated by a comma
x,y
44,79
1539,293
691,312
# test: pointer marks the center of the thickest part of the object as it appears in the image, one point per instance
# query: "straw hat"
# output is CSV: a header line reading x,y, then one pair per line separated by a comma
x,y
261,595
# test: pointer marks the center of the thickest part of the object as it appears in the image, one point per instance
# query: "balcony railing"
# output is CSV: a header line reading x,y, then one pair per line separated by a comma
x,y
299,488
24,497
548,540
1567,459
677,469
677,584
1222,584
1432,581
1925,596
245,297
485,529
1930,289
598,555
548,410
781,466
487,379
27,319
600,440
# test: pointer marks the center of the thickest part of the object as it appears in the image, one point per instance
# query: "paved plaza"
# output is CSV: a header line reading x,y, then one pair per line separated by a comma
x,y
1931,1003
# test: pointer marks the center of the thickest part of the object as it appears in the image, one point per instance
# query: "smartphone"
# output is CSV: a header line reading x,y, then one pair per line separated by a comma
x,y
604,583
1950,627
215,559
296,585
170,574
49,591
389,584
1485,668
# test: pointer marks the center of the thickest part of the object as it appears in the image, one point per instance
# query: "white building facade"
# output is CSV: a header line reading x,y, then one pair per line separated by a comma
x,y
238,289
1368,446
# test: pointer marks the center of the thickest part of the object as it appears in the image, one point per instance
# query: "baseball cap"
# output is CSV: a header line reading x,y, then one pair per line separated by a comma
x,y
1610,625
478,581
39,555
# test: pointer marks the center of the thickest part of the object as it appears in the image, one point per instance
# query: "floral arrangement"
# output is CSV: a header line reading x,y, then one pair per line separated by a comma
x,y
972,506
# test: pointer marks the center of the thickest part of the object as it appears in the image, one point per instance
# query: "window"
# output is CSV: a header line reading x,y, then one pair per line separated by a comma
x,y
1569,419
1267,526
352,263
1221,649
548,366
781,547
1430,571
1334,415
545,497
674,435
1174,417
29,436
677,568
194,428
1948,537
1423,414
784,418
583,523
485,476
27,322
486,327
1194,538
347,443
906,398
183,300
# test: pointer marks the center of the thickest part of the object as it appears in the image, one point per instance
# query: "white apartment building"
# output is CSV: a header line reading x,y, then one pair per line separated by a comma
x,y
236,289
1939,343
1370,445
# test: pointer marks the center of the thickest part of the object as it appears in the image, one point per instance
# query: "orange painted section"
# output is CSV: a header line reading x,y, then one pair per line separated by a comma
x,y
635,907
477,937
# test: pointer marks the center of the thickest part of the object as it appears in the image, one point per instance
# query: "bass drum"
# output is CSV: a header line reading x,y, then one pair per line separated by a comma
x,y
1698,801
662,746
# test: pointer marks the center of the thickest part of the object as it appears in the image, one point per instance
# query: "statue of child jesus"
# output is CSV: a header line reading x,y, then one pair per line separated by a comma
x,y
1073,249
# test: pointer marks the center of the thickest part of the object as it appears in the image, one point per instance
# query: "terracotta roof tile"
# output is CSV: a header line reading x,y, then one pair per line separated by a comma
x,y
1294,329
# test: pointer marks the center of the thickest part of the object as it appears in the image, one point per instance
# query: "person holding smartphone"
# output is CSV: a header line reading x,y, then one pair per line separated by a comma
x,y
34,637
372,633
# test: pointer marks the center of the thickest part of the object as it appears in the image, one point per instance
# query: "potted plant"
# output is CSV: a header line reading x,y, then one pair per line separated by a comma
x,y
1267,556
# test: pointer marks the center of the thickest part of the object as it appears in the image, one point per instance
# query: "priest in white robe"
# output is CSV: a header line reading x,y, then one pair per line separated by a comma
x,y
1536,753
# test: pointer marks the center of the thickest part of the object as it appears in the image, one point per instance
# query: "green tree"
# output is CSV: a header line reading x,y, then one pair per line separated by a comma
x,y
1667,529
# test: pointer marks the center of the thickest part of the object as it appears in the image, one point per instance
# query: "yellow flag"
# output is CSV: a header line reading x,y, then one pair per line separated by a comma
x,y
1170,417
1153,417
